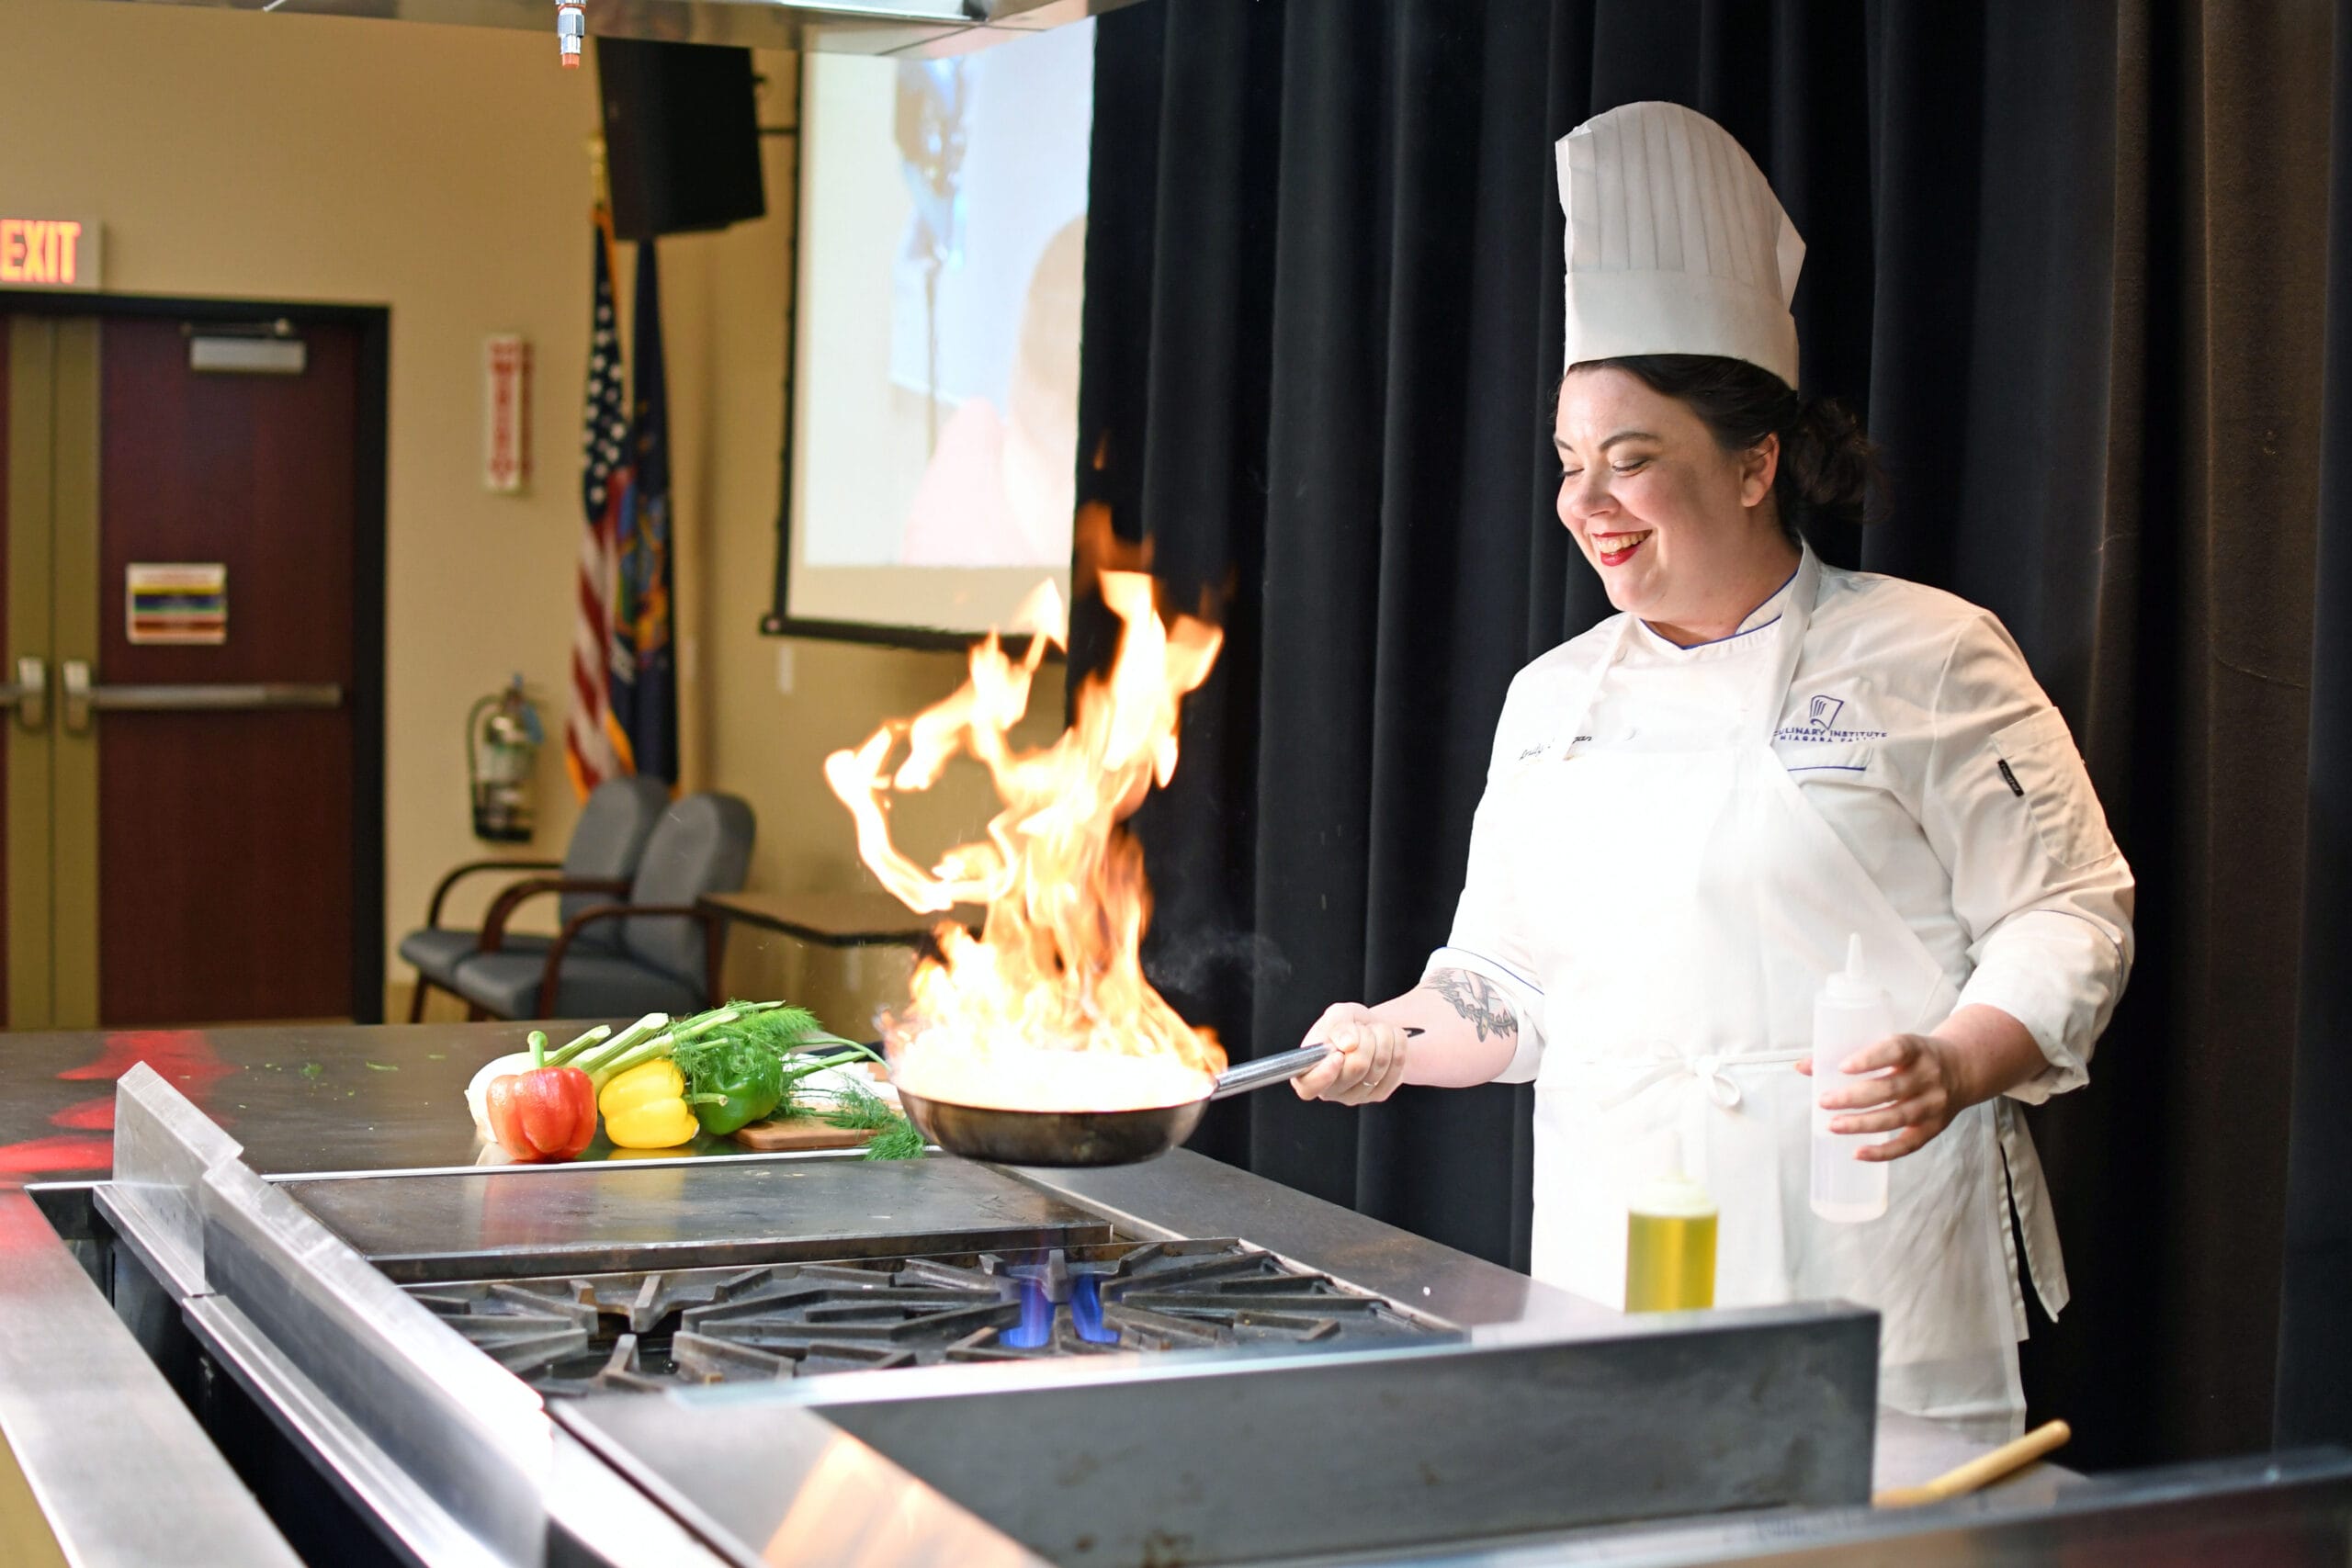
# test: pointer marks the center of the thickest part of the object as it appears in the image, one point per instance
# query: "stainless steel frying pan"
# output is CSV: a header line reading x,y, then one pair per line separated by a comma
x,y
1090,1137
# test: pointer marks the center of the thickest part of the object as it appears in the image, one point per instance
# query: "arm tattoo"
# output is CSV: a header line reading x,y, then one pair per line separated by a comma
x,y
1477,1000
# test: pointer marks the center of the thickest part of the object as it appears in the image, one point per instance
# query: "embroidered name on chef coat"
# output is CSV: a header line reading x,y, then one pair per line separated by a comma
x,y
1542,749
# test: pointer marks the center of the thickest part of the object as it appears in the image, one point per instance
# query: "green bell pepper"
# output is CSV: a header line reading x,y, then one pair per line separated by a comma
x,y
741,1088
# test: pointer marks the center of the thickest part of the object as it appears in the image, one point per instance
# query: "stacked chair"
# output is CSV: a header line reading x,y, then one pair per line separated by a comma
x,y
597,865
654,950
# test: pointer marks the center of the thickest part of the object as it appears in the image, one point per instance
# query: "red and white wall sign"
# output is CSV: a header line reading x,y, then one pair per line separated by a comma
x,y
506,410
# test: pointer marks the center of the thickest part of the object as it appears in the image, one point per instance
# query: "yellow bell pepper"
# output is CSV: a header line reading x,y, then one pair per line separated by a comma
x,y
645,1108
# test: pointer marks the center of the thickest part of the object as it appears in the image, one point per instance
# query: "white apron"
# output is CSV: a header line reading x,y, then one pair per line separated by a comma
x,y
1690,905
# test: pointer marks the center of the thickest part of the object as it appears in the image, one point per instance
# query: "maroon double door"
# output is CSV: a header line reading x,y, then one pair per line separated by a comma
x,y
234,834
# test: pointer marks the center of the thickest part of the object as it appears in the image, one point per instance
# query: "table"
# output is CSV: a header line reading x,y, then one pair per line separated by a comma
x,y
860,918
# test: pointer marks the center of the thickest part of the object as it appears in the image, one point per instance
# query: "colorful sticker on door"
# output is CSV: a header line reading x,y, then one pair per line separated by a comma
x,y
181,601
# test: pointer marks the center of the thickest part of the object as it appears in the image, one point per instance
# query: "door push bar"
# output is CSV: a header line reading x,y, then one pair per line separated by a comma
x,y
80,696
28,693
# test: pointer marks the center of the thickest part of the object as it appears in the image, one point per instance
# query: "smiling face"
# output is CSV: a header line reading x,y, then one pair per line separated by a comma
x,y
1683,533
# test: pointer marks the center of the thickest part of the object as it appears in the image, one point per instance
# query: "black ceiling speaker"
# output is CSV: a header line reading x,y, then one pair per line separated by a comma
x,y
681,135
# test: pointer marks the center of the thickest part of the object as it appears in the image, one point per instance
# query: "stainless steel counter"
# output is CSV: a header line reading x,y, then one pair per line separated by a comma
x,y
302,1100
1546,1412
354,1122
289,1283
83,1409
2290,1511
118,1469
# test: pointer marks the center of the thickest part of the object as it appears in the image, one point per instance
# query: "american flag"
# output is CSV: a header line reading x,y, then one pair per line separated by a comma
x,y
588,752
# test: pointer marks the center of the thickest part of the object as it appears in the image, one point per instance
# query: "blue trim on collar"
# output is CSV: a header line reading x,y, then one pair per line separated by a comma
x,y
1745,631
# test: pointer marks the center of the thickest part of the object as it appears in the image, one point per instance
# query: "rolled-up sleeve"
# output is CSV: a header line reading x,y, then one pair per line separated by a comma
x,y
1488,935
2036,877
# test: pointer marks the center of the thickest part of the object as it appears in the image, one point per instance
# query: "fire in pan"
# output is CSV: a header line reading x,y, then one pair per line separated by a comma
x,y
1008,1136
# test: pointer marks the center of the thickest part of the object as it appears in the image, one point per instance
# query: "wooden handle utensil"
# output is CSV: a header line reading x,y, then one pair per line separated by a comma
x,y
1982,1471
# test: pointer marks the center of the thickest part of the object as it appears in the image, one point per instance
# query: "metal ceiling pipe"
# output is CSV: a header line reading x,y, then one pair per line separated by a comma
x,y
840,27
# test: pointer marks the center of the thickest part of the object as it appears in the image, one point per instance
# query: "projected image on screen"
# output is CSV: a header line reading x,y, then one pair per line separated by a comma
x,y
942,275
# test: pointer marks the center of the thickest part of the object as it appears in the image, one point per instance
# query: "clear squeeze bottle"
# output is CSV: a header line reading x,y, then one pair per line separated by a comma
x,y
1670,1248
1848,1015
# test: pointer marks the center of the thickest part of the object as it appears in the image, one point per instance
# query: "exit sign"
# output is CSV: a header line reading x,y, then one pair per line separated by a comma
x,y
49,253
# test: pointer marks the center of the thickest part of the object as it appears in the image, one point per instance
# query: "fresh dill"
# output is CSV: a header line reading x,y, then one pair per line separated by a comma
x,y
860,1109
898,1141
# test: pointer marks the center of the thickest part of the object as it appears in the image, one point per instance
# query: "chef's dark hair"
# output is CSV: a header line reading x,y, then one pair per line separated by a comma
x,y
1829,470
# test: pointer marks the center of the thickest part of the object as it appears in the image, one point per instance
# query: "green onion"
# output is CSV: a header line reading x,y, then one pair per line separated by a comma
x,y
571,1048
581,1053
618,1059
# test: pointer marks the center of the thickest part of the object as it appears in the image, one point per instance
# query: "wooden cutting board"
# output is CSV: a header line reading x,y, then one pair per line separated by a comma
x,y
798,1133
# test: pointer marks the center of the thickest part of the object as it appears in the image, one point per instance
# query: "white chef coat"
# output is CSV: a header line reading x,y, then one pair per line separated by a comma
x,y
1915,728
1905,722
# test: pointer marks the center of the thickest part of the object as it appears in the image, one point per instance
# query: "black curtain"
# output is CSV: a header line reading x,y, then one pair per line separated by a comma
x,y
2314,1390
1322,336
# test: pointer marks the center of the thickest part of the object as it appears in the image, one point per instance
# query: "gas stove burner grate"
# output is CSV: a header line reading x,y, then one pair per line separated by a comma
x,y
610,1332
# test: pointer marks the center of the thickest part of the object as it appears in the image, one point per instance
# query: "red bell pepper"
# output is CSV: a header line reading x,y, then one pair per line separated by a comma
x,y
548,1113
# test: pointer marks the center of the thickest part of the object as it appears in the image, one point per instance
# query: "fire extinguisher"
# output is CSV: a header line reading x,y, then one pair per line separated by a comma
x,y
503,739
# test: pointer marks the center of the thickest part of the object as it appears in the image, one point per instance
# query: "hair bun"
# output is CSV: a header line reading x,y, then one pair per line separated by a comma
x,y
1832,464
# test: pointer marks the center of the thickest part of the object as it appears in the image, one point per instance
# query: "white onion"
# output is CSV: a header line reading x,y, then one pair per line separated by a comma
x,y
478,1092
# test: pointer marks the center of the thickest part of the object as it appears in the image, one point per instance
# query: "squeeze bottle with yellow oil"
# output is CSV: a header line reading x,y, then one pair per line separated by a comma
x,y
1669,1246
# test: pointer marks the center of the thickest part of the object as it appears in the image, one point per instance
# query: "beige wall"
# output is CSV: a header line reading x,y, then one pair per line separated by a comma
x,y
441,172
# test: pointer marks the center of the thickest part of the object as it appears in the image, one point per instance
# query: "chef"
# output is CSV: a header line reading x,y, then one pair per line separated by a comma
x,y
1691,808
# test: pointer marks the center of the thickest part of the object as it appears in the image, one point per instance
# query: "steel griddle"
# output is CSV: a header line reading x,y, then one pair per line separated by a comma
x,y
613,1219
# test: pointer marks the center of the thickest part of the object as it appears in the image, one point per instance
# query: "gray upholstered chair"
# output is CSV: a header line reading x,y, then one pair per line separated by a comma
x,y
599,861
667,955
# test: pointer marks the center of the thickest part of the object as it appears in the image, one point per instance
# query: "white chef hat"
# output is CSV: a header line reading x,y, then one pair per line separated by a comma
x,y
1675,243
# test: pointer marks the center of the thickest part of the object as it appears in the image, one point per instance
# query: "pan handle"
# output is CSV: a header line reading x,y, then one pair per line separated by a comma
x,y
1280,1067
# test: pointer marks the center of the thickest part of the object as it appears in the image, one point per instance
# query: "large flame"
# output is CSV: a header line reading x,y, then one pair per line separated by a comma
x,y
994,1020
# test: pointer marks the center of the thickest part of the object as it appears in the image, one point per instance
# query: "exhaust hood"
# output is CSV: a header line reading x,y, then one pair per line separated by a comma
x,y
849,27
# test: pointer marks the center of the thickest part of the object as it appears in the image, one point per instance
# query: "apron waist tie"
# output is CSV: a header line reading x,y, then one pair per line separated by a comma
x,y
1709,1073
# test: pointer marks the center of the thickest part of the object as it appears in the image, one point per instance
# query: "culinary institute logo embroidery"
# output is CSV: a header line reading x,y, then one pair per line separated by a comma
x,y
1821,717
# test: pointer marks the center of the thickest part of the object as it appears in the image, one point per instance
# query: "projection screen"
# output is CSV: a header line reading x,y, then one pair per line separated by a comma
x,y
934,389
